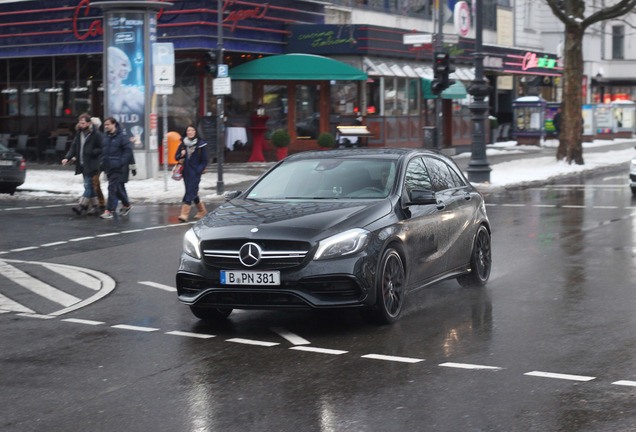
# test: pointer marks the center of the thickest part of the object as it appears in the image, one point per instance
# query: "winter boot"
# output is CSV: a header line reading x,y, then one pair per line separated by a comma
x,y
185,212
81,207
201,211
94,210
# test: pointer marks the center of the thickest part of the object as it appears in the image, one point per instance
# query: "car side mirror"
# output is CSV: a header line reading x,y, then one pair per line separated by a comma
x,y
231,195
421,197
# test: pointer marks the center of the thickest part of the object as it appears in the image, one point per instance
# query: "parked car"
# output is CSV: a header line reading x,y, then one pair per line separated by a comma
x,y
12,170
358,228
632,176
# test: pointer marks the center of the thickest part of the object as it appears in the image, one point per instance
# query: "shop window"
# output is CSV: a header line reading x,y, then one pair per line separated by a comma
x,y
374,97
618,42
27,104
344,98
390,97
413,93
240,104
307,111
275,103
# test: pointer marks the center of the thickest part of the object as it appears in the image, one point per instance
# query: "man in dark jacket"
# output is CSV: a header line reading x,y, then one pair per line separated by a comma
x,y
84,152
115,158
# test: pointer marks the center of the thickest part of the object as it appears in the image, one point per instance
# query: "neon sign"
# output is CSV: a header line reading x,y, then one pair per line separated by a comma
x,y
531,61
242,14
95,28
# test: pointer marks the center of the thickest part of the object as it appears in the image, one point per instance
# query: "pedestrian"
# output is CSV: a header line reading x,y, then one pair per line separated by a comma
x,y
193,153
96,184
556,122
84,153
121,189
115,158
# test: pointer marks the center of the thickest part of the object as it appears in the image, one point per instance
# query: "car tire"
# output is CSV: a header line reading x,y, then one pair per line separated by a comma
x,y
390,289
480,260
210,314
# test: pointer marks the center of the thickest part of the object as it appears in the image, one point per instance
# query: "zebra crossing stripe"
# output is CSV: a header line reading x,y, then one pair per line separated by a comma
x,y
35,285
75,275
6,304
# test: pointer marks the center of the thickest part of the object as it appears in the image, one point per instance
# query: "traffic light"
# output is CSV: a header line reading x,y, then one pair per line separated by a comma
x,y
210,63
441,70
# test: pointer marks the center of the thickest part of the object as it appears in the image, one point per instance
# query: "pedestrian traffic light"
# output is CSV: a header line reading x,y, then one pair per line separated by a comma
x,y
441,71
210,63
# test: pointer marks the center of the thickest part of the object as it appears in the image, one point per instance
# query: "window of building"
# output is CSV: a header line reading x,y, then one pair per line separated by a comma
x,y
275,101
374,94
618,42
307,111
344,97
390,93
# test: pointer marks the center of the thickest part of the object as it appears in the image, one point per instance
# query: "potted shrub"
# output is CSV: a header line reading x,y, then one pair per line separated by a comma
x,y
281,140
326,140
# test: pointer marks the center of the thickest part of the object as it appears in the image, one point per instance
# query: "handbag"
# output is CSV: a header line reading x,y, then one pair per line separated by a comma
x,y
177,172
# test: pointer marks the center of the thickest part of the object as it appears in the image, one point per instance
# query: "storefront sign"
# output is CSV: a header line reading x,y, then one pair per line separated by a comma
x,y
530,61
237,15
95,29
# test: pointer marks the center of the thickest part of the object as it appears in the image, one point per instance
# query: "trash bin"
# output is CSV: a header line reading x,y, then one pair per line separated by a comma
x,y
429,135
174,139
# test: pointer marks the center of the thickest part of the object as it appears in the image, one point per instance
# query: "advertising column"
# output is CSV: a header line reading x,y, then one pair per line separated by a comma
x,y
128,35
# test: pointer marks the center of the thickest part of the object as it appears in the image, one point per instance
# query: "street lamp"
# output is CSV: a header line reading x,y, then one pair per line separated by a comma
x,y
478,169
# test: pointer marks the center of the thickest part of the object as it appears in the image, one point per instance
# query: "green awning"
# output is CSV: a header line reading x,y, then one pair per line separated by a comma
x,y
455,91
296,67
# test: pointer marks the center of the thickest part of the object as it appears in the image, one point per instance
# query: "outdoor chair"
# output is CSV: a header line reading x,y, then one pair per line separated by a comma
x,y
58,151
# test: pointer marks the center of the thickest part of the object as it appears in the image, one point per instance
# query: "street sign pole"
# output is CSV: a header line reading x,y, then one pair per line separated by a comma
x,y
165,142
219,103
163,80
438,99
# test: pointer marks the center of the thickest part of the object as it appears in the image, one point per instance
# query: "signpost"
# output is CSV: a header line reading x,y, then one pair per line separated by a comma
x,y
163,80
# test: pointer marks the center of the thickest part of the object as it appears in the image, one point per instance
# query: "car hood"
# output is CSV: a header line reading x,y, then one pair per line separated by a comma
x,y
289,220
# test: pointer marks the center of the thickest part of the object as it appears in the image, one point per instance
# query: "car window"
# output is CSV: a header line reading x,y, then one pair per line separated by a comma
x,y
417,176
442,176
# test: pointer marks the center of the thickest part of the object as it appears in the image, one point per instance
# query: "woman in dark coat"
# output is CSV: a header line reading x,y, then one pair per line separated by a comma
x,y
85,150
193,153
115,158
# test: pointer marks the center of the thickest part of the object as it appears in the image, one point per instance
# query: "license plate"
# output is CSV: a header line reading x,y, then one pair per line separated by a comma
x,y
6,163
250,277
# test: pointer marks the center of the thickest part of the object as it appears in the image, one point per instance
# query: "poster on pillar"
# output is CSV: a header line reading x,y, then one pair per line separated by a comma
x,y
124,64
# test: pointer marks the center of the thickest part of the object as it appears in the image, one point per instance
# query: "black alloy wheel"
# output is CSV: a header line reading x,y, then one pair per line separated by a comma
x,y
390,288
480,261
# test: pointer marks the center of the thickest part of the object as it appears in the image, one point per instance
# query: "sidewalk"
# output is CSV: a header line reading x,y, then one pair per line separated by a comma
x,y
512,167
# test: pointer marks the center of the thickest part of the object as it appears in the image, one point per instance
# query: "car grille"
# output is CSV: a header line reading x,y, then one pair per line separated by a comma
x,y
276,254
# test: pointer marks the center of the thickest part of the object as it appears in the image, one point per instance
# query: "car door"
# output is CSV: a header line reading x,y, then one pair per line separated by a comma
x,y
420,228
456,205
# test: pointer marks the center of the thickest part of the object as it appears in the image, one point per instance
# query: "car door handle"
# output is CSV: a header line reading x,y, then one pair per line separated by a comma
x,y
440,205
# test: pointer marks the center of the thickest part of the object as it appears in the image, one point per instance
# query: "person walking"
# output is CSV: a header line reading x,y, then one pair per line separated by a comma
x,y
115,158
193,153
556,121
121,188
97,123
84,152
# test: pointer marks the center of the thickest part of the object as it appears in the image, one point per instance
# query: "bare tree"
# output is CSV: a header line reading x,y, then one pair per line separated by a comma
x,y
572,14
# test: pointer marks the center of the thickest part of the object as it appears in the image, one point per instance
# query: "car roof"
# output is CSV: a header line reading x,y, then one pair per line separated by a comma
x,y
371,153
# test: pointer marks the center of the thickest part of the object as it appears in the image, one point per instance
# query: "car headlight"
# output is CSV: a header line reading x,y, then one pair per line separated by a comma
x,y
191,244
345,243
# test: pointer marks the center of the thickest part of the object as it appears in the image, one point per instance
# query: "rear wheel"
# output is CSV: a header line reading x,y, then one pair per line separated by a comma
x,y
390,289
210,314
480,261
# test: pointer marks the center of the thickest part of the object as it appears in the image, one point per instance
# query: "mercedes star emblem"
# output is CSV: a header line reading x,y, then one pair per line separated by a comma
x,y
250,254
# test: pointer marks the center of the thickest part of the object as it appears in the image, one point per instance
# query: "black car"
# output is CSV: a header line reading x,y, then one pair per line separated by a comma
x,y
12,170
334,229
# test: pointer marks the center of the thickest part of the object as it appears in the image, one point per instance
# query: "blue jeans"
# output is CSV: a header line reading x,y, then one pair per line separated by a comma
x,y
89,189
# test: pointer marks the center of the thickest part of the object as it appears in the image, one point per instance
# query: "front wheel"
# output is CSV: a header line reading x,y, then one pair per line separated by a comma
x,y
480,261
390,288
210,314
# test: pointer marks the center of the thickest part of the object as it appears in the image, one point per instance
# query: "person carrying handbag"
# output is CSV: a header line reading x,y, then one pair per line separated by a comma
x,y
193,153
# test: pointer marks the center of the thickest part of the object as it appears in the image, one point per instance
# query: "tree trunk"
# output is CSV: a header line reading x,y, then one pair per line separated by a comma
x,y
571,135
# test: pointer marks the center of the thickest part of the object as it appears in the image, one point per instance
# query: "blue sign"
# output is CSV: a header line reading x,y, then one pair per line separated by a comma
x,y
163,54
222,71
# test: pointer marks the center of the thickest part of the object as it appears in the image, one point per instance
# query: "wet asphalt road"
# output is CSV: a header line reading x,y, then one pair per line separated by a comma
x,y
548,345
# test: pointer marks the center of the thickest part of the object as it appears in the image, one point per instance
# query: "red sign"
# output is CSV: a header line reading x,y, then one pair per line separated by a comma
x,y
237,15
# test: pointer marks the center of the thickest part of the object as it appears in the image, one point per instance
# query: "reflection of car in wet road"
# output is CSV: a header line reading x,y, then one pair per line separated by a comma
x,y
632,176
331,229
12,170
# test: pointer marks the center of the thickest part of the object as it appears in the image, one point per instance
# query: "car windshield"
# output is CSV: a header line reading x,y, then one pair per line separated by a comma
x,y
327,179
3,148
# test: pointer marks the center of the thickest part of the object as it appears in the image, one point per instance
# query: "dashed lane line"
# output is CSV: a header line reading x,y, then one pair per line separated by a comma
x,y
382,357
292,338
158,285
560,376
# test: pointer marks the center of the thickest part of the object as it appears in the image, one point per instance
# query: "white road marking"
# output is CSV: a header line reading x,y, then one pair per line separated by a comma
x,y
36,315
133,230
135,328
28,248
392,358
78,239
189,334
573,206
35,285
318,350
10,305
75,275
291,337
560,376
625,383
83,321
54,244
469,366
107,234
606,207
545,205
252,342
513,205
158,285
